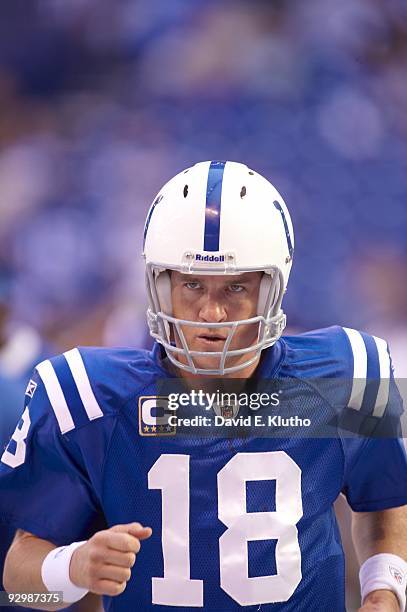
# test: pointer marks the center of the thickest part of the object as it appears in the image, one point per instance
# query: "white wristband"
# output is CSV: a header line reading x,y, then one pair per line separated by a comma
x,y
384,571
55,573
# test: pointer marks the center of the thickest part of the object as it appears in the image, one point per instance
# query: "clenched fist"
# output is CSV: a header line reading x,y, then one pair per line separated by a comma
x,y
103,565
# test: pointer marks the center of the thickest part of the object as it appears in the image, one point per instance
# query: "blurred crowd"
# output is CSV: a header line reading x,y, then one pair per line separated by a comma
x,y
102,102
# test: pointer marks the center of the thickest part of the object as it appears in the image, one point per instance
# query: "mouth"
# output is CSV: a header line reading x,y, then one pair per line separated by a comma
x,y
212,339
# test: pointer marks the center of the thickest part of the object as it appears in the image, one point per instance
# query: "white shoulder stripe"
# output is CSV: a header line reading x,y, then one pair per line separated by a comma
x,y
384,387
55,395
359,367
81,379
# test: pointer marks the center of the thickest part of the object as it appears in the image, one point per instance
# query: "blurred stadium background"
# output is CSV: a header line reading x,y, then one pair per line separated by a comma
x,y
103,101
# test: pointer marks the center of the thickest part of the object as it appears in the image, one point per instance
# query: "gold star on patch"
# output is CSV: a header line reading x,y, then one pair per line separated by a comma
x,y
146,428
153,428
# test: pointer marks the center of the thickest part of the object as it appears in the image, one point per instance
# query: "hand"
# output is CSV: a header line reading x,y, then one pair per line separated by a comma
x,y
103,564
380,601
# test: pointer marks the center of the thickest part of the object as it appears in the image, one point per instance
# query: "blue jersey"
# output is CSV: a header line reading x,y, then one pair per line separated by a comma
x,y
237,523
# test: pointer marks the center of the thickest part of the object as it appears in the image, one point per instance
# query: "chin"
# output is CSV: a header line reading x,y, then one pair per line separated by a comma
x,y
213,363
207,363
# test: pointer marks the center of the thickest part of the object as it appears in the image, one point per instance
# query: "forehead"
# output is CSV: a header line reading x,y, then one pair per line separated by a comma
x,y
216,279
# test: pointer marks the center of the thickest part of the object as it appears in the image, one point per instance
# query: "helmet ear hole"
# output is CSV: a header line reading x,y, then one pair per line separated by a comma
x,y
163,285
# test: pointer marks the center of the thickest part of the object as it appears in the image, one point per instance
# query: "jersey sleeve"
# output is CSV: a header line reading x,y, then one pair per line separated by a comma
x,y
373,389
44,487
375,476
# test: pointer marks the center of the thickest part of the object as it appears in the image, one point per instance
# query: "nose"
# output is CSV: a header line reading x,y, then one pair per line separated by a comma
x,y
212,310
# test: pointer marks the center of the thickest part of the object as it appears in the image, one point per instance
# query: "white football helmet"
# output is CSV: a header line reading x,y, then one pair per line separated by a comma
x,y
217,218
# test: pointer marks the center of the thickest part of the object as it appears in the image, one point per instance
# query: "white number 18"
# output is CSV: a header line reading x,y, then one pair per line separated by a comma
x,y
170,473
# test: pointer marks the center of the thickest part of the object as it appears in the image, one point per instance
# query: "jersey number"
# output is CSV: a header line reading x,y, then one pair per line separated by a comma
x,y
19,436
170,473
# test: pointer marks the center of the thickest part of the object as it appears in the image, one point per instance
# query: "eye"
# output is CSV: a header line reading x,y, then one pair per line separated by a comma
x,y
193,285
236,288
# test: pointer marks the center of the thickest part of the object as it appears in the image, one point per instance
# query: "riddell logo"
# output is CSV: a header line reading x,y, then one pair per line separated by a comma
x,y
215,258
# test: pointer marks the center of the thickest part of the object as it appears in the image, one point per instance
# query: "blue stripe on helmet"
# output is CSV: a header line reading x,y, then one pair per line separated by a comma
x,y
150,214
212,210
287,231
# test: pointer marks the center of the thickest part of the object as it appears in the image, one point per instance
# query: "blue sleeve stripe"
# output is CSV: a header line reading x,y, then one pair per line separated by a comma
x,y
373,375
80,376
55,395
359,368
385,371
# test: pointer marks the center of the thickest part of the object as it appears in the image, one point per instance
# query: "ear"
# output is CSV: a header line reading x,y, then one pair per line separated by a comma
x,y
163,285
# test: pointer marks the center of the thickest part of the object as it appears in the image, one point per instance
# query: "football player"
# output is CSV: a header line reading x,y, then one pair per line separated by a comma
x,y
95,477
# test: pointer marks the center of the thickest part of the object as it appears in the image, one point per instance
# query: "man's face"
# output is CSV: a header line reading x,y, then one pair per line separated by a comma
x,y
216,299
